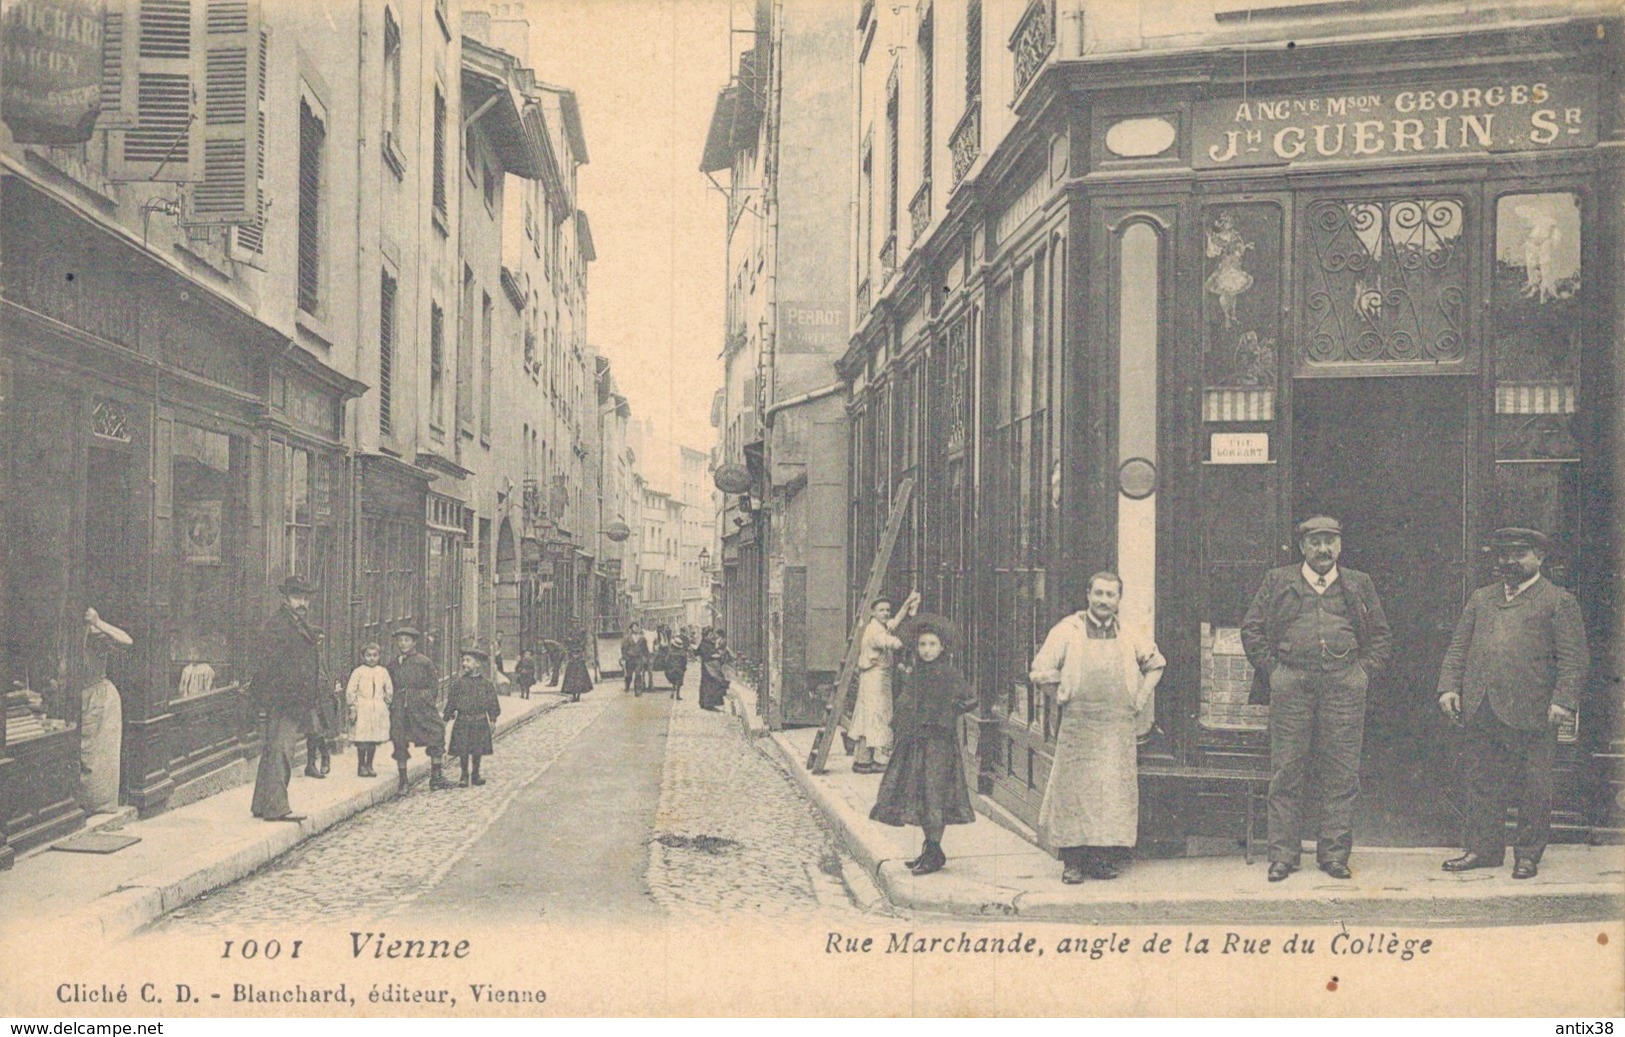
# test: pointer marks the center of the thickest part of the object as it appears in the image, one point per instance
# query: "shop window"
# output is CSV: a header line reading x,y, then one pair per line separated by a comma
x,y
1538,321
206,496
1384,283
1015,453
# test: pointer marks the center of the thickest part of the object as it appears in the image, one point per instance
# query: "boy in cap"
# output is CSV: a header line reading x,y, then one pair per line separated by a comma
x,y
472,703
413,718
1511,676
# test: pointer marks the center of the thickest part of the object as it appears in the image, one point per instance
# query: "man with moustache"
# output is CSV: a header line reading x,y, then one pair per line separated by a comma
x,y
1512,674
285,682
1315,634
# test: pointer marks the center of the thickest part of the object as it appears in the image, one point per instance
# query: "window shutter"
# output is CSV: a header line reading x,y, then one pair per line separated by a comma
x,y
116,113
248,237
161,79
229,191
386,355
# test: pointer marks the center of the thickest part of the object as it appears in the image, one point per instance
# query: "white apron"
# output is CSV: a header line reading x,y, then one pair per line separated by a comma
x,y
101,731
1093,795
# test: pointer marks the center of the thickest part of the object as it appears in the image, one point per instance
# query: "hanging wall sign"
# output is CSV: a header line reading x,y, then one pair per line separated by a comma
x,y
1460,116
52,71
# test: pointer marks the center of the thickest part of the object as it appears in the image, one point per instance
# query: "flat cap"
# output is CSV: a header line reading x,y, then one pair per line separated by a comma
x,y
1320,524
408,631
1517,536
479,653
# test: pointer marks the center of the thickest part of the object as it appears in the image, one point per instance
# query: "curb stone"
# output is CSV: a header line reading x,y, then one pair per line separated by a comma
x,y
129,909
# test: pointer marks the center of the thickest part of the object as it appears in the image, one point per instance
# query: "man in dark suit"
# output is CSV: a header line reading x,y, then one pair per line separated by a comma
x,y
414,713
1513,673
1315,634
286,676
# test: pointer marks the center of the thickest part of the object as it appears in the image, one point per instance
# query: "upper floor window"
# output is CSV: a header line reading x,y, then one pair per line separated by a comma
x,y
439,177
392,77
312,140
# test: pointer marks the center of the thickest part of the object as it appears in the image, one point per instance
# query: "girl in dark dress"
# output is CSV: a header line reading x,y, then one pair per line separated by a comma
x,y
577,679
924,782
472,702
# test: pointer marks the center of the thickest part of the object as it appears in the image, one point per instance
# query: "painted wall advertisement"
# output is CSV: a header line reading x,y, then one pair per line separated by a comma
x,y
52,69
1457,117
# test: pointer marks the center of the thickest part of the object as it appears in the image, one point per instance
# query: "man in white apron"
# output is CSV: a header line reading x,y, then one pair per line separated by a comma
x,y
1102,676
870,724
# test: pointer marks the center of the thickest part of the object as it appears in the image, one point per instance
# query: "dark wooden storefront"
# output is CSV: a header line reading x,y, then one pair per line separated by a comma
x,y
1419,343
145,422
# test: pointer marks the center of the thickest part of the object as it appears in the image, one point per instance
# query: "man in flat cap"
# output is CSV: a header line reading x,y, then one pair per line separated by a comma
x,y
1513,673
414,713
286,676
1315,634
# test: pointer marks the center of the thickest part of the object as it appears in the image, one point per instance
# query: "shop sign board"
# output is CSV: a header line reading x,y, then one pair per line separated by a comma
x,y
812,326
1461,116
52,70
1239,448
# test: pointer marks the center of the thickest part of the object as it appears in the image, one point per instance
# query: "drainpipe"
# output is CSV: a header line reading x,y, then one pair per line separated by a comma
x,y
799,399
352,449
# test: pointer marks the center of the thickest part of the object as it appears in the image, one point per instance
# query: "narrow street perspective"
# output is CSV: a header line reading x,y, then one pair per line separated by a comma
x,y
614,808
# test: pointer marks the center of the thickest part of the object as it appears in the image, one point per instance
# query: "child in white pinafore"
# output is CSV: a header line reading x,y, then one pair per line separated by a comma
x,y
369,695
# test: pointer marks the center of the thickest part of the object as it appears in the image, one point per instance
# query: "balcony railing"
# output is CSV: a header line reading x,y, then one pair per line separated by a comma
x,y
1031,43
919,212
888,257
965,142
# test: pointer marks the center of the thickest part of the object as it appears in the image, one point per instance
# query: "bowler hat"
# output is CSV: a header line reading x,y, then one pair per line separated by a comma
x,y
297,585
409,631
1516,536
1319,524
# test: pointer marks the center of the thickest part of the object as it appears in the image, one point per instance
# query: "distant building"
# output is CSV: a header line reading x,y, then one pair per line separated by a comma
x,y
781,135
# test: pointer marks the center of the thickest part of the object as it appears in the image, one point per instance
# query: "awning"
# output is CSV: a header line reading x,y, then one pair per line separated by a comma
x,y
719,149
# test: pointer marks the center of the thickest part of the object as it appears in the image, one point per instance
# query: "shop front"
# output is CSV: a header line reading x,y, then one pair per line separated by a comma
x,y
1215,297
135,484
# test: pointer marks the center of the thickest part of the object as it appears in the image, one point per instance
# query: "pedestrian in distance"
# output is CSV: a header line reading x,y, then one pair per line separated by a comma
x,y
714,660
524,672
869,727
325,726
1102,675
414,718
1511,677
472,709
286,678
924,783
1315,634
577,679
554,650
634,653
368,695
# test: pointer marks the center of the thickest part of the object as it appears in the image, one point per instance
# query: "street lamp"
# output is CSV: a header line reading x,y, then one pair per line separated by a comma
x,y
705,559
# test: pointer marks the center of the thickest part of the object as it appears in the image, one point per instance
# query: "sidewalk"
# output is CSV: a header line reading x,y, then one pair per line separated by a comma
x,y
189,851
992,872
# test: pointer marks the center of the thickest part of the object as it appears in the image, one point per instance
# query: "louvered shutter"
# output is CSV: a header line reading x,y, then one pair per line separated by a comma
x,y
230,119
248,237
162,86
118,109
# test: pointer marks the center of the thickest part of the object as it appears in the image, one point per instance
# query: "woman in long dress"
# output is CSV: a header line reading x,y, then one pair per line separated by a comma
x,y
714,660
1102,675
101,715
577,679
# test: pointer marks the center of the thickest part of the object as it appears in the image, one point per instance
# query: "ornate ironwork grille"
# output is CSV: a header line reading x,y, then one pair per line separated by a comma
x,y
1384,283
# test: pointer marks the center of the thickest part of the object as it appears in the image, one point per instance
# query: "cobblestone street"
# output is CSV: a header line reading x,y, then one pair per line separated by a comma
x,y
612,806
